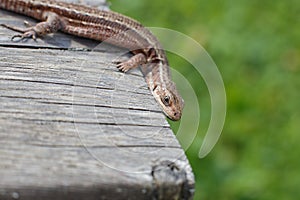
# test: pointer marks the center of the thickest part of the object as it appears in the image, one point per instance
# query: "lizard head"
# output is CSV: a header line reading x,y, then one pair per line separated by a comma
x,y
170,100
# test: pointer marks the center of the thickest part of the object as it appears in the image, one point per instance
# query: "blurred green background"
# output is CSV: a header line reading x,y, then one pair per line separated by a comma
x,y
256,46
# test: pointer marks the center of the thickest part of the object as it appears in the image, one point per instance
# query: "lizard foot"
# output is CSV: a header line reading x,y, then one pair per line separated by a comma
x,y
125,66
25,33
132,62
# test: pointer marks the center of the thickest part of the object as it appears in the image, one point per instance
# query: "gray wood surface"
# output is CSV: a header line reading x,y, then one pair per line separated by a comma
x,y
73,127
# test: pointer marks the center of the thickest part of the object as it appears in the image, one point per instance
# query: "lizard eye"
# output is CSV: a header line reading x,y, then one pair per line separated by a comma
x,y
166,100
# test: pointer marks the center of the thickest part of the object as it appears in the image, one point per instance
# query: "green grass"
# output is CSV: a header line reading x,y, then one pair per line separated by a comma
x,y
256,46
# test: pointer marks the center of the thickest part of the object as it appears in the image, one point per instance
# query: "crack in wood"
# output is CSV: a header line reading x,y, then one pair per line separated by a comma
x,y
41,154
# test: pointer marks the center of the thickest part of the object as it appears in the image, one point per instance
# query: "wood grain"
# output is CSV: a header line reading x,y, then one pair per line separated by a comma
x,y
73,127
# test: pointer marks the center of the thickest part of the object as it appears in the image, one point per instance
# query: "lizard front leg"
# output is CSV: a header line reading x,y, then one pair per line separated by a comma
x,y
51,25
133,62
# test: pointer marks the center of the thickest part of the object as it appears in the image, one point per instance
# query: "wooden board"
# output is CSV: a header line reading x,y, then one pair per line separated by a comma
x,y
73,127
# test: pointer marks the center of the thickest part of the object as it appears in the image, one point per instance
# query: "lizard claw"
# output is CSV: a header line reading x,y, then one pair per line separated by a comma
x,y
132,62
123,67
26,35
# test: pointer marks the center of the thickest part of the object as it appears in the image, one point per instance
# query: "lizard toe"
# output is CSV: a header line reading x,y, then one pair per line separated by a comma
x,y
26,35
123,67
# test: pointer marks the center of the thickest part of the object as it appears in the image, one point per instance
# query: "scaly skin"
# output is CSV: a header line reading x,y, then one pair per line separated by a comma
x,y
110,27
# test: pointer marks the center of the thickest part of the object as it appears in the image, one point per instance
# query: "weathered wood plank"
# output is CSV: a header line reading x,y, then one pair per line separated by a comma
x,y
72,126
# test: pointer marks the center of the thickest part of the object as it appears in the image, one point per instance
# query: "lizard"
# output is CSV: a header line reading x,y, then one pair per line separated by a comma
x,y
108,26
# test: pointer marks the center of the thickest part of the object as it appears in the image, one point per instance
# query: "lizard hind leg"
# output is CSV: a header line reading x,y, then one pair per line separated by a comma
x,y
26,32
51,25
133,62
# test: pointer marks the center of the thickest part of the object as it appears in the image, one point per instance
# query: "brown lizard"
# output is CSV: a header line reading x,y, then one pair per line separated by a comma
x,y
111,27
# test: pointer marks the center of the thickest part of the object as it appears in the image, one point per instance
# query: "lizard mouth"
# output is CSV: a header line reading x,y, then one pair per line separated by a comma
x,y
175,116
